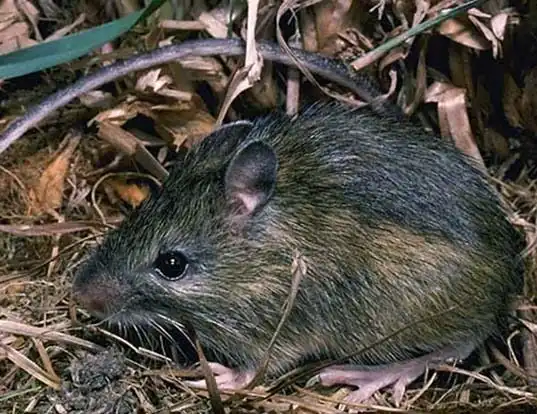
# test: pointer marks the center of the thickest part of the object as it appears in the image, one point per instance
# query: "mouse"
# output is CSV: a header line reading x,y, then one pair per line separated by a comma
x,y
396,228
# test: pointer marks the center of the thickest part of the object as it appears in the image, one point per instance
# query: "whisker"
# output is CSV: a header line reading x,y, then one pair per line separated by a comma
x,y
138,334
162,331
232,332
171,339
150,340
177,325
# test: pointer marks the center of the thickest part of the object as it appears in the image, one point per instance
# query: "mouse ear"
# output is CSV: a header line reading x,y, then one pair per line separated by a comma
x,y
251,177
224,140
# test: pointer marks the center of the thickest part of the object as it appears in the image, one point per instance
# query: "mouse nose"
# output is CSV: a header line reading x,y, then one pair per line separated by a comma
x,y
95,304
96,295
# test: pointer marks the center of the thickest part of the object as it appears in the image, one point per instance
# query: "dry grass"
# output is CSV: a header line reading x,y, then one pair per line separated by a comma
x,y
60,190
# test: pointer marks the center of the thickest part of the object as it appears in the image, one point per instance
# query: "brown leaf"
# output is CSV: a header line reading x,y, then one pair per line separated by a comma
x,y
129,144
265,92
308,29
332,17
496,143
461,70
511,101
489,35
208,69
132,194
463,32
528,102
187,25
395,54
250,73
125,111
453,117
215,22
96,99
120,139
499,23
422,7
15,25
184,127
48,193
161,85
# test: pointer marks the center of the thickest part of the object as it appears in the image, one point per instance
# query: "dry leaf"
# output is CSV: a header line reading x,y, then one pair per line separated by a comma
x,y
528,102
184,127
453,117
158,84
49,333
132,194
128,109
495,142
461,70
202,66
14,27
395,54
372,56
152,80
499,25
125,7
265,92
47,195
487,32
215,23
331,18
308,30
188,25
207,69
511,101
245,77
461,31
178,124
30,13
253,61
181,78
127,143
120,139
51,229
422,8
96,99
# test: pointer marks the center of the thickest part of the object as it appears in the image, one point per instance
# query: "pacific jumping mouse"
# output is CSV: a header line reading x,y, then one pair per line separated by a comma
x,y
394,226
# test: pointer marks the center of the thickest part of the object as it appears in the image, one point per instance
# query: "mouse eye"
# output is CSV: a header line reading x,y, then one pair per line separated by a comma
x,y
171,265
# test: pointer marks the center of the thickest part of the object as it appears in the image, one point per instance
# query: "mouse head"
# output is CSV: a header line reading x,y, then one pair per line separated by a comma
x,y
196,251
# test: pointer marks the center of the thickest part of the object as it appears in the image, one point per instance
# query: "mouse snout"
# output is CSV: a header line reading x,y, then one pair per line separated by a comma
x,y
100,296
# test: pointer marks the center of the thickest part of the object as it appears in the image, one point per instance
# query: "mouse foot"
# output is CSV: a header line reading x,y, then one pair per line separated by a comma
x,y
226,378
398,375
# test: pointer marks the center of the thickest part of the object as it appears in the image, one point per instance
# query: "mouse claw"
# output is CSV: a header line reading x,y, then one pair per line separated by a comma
x,y
399,389
226,378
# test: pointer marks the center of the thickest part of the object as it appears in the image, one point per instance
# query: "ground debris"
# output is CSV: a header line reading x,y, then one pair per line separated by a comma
x,y
96,383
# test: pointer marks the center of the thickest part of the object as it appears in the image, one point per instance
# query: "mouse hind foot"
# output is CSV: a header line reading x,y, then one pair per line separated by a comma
x,y
397,375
